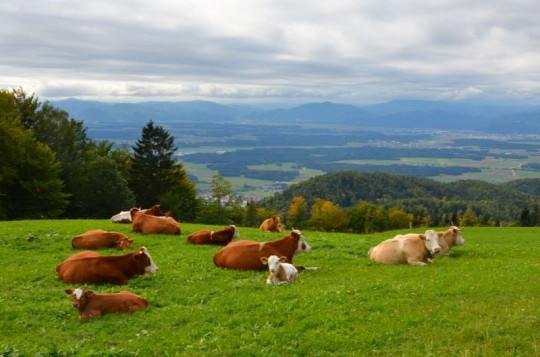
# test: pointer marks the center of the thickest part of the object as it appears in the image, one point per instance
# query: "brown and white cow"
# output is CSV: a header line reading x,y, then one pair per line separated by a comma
x,y
281,272
92,305
222,237
247,254
449,238
148,224
92,268
99,238
412,248
272,224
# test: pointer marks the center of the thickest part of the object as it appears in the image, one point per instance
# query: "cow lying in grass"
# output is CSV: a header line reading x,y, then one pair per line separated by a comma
x,y
414,249
247,254
148,224
222,237
92,268
272,224
99,238
281,272
92,305
449,238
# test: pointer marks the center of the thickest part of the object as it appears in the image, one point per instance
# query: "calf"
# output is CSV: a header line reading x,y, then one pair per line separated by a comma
x,y
92,305
222,237
272,224
92,268
98,238
449,238
280,271
122,217
148,224
414,249
247,254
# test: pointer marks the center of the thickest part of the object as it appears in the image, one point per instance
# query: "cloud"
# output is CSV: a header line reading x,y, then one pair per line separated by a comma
x,y
272,50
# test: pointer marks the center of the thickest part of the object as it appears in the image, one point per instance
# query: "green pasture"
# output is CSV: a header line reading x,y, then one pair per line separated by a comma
x,y
482,300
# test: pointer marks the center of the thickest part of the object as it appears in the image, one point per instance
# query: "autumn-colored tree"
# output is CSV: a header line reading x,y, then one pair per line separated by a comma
x,y
297,213
325,216
399,219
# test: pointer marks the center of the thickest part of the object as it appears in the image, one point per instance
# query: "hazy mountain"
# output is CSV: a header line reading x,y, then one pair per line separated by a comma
x,y
394,114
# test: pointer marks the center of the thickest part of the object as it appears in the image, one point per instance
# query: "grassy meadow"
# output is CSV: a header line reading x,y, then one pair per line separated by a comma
x,y
482,300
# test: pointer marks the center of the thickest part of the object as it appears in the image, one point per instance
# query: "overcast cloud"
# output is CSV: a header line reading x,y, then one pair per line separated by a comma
x,y
278,51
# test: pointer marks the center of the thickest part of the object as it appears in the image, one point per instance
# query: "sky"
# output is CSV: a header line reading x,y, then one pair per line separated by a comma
x,y
272,51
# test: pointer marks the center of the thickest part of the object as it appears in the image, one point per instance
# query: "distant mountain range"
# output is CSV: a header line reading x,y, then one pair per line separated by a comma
x,y
490,118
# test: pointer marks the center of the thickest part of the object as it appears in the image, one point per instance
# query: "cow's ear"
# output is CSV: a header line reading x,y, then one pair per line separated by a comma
x,y
264,260
68,291
283,259
422,237
141,250
131,240
90,292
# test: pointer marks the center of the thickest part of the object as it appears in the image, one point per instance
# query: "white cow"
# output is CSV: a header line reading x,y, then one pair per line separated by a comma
x,y
280,271
412,248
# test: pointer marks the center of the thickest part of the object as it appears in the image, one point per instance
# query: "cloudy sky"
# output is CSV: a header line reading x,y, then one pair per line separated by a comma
x,y
274,51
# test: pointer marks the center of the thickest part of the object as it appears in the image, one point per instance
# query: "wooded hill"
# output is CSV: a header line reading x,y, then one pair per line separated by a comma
x,y
440,202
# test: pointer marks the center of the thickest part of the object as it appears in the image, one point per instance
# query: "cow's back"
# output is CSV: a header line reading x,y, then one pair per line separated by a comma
x,y
388,252
200,237
155,225
96,238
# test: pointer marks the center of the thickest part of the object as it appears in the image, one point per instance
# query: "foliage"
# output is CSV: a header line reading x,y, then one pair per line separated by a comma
x,y
104,190
479,301
427,200
30,186
152,167
297,212
325,216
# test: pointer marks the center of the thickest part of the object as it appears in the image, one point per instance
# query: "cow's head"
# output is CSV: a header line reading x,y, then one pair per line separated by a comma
x,y
145,261
302,246
124,243
273,263
236,234
456,232
431,241
79,297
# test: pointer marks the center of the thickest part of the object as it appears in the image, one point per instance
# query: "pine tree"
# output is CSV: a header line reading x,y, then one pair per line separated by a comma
x,y
153,166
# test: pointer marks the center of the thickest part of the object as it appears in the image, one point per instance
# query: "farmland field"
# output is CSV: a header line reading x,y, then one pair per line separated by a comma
x,y
484,299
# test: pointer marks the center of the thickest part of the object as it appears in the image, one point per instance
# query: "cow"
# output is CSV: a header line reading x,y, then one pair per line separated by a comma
x,y
281,272
147,224
127,216
122,217
222,237
272,224
247,254
449,238
89,267
99,238
414,249
89,304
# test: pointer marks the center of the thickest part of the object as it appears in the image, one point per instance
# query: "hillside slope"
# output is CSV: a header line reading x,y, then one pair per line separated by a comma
x,y
420,196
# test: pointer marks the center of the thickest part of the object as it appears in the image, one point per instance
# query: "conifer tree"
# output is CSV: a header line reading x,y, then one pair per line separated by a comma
x,y
152,168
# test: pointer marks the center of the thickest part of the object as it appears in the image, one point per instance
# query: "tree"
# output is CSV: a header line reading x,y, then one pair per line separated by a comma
x,y
105,191
221,188
153,167
30,186
297,212
399,219
181,197
469,218
250,215
325,216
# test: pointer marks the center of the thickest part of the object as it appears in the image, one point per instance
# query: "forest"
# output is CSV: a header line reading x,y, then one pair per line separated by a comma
x,y
51,168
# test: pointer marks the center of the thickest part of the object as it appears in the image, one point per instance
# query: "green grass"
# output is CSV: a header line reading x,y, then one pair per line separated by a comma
x,y
483,300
